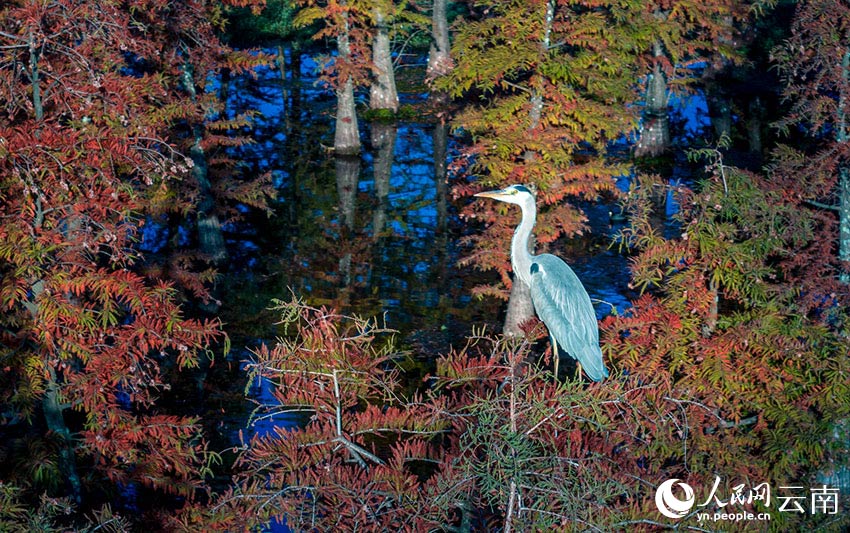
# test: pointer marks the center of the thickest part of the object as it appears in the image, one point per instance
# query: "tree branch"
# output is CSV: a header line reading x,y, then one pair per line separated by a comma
x,y
821,205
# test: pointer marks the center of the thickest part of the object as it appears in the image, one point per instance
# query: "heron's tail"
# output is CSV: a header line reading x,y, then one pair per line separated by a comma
x,y
590,358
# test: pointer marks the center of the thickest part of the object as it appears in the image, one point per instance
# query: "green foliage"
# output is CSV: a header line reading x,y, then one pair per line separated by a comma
x,y
51,515
548,86
724,332
734,228
530,454
275,22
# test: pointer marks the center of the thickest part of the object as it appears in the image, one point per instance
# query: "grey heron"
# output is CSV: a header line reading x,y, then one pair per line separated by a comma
x,y
559,298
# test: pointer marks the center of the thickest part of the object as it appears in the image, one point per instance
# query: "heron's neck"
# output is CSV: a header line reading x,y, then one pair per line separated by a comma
x,y
520,255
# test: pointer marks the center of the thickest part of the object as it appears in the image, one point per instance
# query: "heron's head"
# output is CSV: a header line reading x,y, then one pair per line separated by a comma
x,y
514,194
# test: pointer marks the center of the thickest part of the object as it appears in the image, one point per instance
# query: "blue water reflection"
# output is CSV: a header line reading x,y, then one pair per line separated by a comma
x,y
382,240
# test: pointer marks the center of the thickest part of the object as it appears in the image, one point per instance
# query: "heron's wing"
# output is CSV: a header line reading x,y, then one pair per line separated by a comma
x,y
563,305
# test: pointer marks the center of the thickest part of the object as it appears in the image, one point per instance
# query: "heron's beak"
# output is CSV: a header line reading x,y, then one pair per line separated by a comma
x,y
496,195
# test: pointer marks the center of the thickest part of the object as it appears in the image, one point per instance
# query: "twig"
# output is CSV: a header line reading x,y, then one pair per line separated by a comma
x,y
821,205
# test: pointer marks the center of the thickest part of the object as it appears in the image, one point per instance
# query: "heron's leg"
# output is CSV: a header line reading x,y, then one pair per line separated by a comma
x,y
555,355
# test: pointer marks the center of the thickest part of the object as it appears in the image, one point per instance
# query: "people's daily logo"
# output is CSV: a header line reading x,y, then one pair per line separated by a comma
x,y
671,505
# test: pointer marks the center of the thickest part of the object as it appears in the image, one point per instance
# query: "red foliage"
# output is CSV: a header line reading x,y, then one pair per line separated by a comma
x,y
815,64
350,23
718,373
90,97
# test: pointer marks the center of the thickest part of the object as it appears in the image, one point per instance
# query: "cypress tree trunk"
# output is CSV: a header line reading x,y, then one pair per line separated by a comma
x,y
347,134
51,407
224,89
520,308
382,94
53,410
440,141
439,56
755,120
840,476
34,80
284,86
292,96
844,219
440,137
210,238
843,137
720,111
655,131
295,59
383,142
53,416
347,176
281,63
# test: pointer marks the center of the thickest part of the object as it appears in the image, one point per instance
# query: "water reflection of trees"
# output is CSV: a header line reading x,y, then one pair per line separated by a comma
x,y
365,235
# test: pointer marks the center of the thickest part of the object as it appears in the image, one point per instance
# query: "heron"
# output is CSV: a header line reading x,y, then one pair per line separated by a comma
x,y
559,298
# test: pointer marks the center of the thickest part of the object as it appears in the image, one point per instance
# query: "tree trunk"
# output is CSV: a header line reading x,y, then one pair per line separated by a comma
x,y
440,143
382,94
295,63
55,420
281,63
844,220
284,85
347,177
440,139
292,96
520,308
38,107
536,111
210,238
713,309
842,136
720,111
347,135
655,131
225,78
839,477
383,143
439,56
755,120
